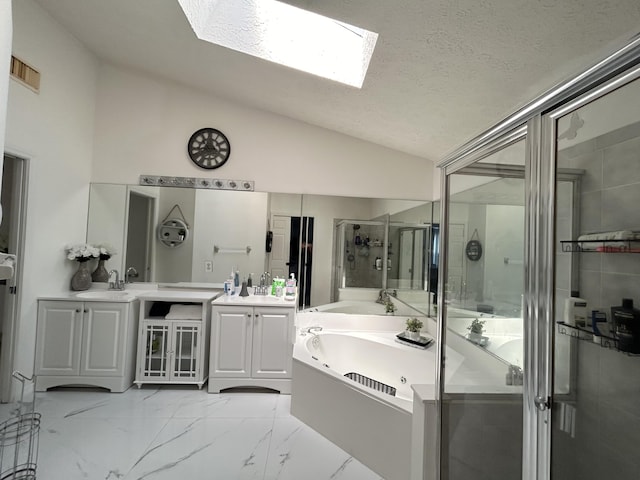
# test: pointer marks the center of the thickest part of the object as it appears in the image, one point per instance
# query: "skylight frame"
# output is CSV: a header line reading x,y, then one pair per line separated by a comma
x,y
286,35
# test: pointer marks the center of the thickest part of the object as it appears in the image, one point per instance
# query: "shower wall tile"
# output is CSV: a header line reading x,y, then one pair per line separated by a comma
x,y
591,163
622,263
563,450
590,261
615,287
620,208
620,385
622,164
612,464
590,287
619,135
590,212
620,431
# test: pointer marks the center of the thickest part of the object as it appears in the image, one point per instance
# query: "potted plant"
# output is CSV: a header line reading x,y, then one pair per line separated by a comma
x,y
413,327
475,330
389,307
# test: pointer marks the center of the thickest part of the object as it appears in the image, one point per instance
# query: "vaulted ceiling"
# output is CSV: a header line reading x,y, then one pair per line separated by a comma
x,y
442,71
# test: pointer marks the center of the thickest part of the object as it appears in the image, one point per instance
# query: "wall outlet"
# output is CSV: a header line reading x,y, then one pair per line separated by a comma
x,y
208,266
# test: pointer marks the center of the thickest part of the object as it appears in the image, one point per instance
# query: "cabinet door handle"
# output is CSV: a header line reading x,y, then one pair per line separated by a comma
x,y
77,310
86,310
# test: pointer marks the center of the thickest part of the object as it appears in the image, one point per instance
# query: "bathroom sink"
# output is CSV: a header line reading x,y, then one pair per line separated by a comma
x,y
106,295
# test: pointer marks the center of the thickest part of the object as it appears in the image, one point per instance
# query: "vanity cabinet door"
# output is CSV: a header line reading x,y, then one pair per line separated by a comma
x,y
272,346
59,337
231,340
103,339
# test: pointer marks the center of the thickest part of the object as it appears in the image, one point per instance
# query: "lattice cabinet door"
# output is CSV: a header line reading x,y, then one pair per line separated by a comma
x,y
186,351
154,352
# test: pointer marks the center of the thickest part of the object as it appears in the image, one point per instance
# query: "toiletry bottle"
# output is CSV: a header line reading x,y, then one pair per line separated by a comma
x,y
236,279
378,263
626,326
575,310
290,290
250,281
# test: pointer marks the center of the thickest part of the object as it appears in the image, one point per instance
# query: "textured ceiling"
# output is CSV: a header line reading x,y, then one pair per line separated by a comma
x,y
442,72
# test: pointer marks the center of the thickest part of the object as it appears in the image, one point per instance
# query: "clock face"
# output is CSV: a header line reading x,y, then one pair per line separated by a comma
x,y
209,148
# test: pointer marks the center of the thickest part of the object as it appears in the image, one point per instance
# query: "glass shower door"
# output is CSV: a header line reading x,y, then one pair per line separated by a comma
x,y
482,398
595,419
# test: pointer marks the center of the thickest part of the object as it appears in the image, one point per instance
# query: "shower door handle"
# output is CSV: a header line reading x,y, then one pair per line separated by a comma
x,y
542,403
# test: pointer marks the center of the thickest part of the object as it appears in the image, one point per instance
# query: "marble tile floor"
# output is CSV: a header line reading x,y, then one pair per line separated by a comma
x,y
181,433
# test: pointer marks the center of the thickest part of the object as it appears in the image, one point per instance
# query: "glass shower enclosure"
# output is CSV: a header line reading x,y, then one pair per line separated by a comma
x,y
381,254
562,400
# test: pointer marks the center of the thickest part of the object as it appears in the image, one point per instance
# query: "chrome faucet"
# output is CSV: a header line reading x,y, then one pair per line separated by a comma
x,y
311,330
118,284
383,297
129,274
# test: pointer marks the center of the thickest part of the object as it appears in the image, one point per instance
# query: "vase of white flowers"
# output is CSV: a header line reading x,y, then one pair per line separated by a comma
x,y
81,253
100,274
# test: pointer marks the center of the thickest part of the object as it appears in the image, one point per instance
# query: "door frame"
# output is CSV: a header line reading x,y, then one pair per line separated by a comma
x,y
10,326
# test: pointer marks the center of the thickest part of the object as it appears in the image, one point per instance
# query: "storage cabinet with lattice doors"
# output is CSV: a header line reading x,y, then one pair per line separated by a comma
x,y
173,335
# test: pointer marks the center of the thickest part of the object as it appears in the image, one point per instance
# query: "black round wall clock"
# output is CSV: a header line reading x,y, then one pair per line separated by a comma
x,y
209,148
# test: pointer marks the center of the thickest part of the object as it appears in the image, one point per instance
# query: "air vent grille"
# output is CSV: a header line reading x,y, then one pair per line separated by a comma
x,y
25,74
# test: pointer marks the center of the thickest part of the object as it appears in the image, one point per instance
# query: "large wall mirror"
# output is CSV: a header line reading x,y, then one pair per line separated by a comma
x,y
332,244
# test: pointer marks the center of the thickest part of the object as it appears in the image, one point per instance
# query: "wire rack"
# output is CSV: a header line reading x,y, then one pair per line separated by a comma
x,y
19,436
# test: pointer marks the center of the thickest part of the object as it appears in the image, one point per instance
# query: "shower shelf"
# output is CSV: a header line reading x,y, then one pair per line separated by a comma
x,y
600,246
586,334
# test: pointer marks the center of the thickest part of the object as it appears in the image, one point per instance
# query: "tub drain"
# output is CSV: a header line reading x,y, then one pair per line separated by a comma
x,y
371,383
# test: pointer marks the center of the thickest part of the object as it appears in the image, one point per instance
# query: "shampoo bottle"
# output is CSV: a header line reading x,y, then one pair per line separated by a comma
x,y
575,310
626,326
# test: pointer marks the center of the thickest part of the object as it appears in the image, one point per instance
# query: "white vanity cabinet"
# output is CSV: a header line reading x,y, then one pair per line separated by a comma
x,y
173,348
251,346
86,343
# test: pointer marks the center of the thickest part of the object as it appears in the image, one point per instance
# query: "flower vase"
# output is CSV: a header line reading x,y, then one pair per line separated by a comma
x,y
81,280
100,274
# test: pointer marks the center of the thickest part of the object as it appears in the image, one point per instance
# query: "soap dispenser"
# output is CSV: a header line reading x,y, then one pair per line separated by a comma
x,y
290,290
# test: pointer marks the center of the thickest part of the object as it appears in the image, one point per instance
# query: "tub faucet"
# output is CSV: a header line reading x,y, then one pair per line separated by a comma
x,y
383,297
311,330
117,284
515,375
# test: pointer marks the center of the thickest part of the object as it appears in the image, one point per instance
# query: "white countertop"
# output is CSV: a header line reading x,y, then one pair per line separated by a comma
x,y
255,301
132,292
181,295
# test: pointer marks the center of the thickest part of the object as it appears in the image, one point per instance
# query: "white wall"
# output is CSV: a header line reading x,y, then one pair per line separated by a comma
x,y
143,125
54,130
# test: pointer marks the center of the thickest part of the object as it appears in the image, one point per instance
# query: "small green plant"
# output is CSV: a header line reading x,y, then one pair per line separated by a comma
x,y
477,326
389,307
414,325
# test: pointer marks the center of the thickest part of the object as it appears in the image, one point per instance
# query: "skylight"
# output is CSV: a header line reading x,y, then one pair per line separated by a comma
x,y
284,34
